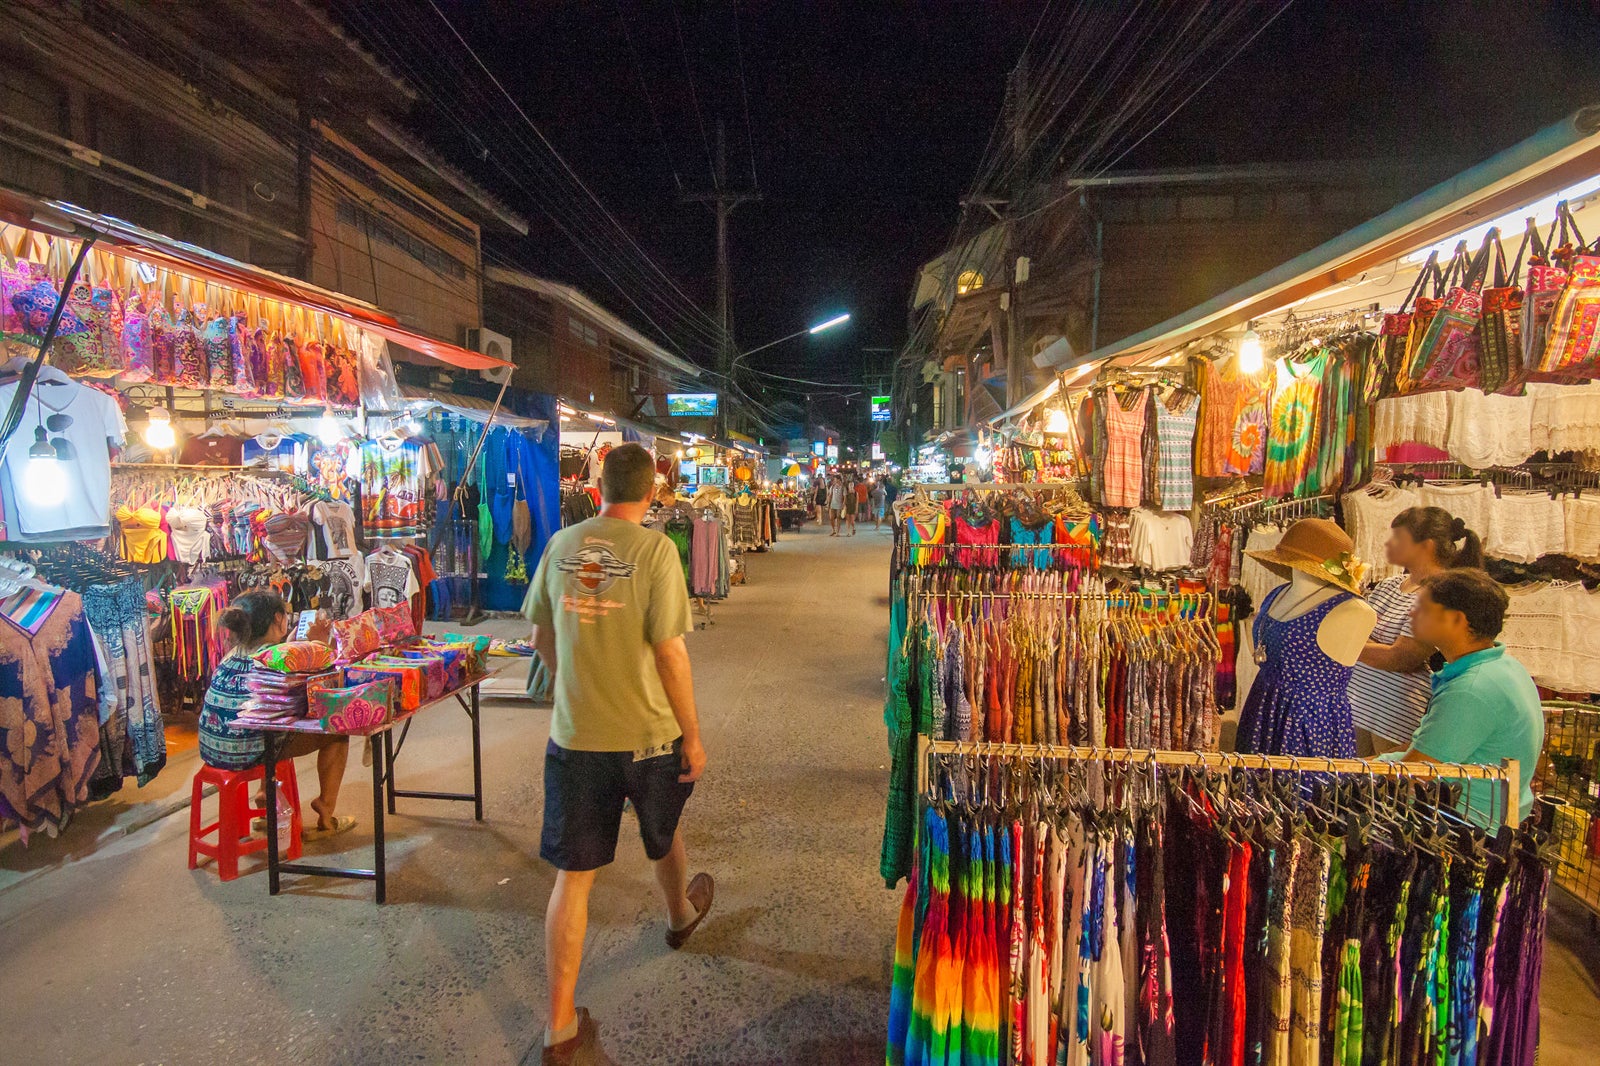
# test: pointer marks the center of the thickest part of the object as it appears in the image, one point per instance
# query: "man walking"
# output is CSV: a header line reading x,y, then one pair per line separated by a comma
x,y
836,503
610,610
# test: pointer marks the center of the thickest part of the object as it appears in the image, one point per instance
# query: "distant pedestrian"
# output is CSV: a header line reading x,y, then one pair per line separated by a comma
x,y
880,503
851,505
609,610
819,499
836,503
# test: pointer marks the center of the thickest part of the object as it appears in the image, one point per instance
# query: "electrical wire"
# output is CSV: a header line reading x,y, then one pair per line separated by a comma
x,y
744,95
591,228
694,96
638,66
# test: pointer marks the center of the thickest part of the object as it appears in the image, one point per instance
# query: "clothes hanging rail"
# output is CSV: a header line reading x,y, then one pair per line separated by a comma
x,y
1507,773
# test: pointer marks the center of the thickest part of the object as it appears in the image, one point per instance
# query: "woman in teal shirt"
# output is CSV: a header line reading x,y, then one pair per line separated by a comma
x,y
1484,706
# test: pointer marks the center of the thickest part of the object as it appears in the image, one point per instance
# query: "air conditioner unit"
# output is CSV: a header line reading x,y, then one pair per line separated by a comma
x,y
498,345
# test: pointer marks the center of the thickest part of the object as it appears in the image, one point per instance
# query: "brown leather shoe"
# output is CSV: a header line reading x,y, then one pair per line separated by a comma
x,y
702,890
581,1050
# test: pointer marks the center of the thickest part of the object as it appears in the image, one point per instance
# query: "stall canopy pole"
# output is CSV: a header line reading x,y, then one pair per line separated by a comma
x,y
30,373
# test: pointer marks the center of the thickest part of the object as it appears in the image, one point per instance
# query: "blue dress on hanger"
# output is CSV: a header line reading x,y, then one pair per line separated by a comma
x,y
1299,703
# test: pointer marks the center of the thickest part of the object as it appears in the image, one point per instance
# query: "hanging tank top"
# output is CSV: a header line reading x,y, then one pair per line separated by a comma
x,y
921,531
1029,537
985,533
1124,454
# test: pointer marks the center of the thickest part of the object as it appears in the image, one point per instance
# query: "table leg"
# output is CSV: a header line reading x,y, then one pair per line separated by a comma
x,y
388,758
378,762
477,759
270,779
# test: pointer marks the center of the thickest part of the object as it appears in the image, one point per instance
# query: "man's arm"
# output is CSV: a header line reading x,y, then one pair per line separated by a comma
x,y
544,642
672,663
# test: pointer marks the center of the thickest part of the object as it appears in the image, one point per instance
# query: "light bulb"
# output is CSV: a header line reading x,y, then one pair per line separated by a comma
x,y
44,480
1250,360
329,430
158,431
1057,422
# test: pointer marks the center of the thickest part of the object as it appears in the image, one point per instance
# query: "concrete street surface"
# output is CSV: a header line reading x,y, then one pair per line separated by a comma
x,y
112,952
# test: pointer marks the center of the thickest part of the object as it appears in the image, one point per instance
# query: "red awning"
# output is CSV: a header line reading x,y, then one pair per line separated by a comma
x,y
134,242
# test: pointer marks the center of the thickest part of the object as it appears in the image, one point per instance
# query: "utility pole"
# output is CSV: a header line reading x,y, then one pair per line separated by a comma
x,y
723,200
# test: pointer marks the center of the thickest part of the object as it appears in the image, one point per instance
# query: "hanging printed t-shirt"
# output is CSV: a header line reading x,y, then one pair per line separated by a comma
x,y
392,577
336,530
612,589
275,452
346,580
393,484
97,426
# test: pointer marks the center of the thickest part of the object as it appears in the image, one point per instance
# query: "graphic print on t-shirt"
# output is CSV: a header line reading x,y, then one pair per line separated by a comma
x,y
594,568
389,582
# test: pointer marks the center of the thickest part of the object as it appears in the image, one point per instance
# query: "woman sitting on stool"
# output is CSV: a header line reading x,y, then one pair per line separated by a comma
x,y
257,620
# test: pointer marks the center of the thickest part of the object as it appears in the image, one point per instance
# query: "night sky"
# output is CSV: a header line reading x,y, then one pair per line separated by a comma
x,y
868,120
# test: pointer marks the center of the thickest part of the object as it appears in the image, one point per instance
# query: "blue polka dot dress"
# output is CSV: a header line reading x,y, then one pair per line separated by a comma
x,y
1299,703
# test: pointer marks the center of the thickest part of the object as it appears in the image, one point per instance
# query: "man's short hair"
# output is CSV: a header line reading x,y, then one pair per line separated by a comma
x,y
628,475
1475,594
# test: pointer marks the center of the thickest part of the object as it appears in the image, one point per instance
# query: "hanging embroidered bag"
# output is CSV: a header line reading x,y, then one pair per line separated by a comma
x,y
1447,356
1395,337
1572,348
1500,327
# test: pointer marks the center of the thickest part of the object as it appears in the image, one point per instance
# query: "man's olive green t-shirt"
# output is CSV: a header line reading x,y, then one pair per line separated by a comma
x,y
612,589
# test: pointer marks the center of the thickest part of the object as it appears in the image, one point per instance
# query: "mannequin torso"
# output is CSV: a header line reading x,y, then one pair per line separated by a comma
x,y
1343,634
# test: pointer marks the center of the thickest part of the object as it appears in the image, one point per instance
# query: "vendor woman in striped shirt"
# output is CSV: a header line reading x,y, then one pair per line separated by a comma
x,y
1390,686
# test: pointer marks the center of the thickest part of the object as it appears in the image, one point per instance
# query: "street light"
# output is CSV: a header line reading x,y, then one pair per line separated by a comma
x,y
818,328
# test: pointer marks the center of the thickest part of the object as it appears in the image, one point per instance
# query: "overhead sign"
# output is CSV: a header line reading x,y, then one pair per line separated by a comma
x,y
692,404
833,453
877,452
818,448
880,408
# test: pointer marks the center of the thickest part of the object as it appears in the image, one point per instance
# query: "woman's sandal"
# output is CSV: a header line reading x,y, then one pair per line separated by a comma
x,y
341,824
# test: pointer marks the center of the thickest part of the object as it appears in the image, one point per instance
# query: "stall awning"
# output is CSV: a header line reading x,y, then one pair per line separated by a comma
x,y
475,408
135,242
1552,160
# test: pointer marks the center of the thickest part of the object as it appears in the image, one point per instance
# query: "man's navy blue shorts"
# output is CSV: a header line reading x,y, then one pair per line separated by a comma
x,y
583,796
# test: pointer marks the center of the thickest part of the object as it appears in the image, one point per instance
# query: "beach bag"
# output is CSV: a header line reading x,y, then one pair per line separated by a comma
x,y
355,637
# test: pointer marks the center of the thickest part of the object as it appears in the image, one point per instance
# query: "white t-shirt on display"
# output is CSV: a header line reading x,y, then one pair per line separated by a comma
x,y
97,426
392,577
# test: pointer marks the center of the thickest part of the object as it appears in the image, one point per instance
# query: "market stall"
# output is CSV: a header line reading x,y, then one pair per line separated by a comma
x,y
182,428
1443,354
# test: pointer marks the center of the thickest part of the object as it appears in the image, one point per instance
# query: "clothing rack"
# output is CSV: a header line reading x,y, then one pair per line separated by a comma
x,y
1507,773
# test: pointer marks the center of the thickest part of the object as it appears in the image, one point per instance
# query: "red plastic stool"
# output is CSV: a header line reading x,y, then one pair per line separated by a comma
x,y
234,812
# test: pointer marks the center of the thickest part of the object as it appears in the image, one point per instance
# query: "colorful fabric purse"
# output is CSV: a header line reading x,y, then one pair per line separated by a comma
x,y
296,657
408,679
435,675
355,637
452,659
395,624
346,708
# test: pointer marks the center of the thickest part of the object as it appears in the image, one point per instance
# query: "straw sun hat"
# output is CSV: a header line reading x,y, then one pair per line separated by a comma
x,y
1317,547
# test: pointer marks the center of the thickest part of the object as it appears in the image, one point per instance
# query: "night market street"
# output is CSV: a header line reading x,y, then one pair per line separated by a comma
x,y
125,957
